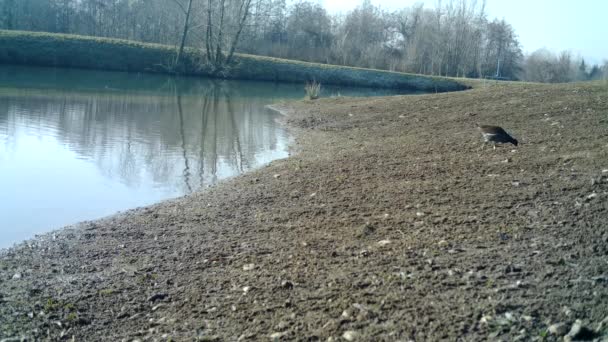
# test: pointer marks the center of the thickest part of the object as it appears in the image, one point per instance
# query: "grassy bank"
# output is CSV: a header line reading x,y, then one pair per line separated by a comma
x,y
59,50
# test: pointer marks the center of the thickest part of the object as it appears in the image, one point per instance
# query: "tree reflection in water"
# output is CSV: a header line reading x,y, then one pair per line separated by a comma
x,y
160,139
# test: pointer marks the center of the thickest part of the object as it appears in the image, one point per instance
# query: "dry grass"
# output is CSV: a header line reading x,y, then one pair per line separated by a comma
x,y
313,90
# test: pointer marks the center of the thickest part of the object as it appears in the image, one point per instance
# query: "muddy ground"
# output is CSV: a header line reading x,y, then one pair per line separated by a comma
x,y
388,223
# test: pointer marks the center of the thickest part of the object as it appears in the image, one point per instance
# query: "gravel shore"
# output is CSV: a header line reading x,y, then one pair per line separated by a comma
x,y
388,223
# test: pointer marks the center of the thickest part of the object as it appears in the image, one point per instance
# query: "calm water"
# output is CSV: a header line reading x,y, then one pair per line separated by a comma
x,y
78,145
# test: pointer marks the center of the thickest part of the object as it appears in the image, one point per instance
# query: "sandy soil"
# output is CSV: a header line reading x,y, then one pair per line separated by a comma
x,y
387,224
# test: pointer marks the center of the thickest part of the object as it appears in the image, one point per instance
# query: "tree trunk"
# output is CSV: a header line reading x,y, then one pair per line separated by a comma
x,y
246,4
209,32
218,48
184,34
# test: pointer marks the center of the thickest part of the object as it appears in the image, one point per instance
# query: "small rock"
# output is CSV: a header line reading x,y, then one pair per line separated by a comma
x,y
360,307
603,325
442,243
384,242
485,319
346,314
350,335
366,229
580,332
605,171
246,289
276,176
248,267
277,335
591,196
420,213
282,325
159,306
512,269
527,318
158,296
558,329
286,284
17,276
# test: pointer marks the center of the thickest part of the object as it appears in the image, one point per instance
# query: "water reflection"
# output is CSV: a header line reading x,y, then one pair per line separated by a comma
x,y
69,155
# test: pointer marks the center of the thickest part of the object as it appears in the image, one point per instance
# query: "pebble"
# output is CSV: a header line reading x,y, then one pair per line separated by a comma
x,y
246,289
384,242
158,296
558,329
420,213
286,284
277,335
442,243
17,276
485,319
591,196
248,267
367,229
603,325
350,335
159,306
580,332
276,175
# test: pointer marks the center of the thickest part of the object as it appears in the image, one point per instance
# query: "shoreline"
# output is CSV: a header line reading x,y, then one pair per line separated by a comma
x,y
388,223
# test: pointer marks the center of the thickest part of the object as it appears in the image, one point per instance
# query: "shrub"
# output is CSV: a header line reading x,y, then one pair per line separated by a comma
x,y
313,90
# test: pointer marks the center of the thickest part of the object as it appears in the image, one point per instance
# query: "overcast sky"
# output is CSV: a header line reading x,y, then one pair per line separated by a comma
x,y
579,26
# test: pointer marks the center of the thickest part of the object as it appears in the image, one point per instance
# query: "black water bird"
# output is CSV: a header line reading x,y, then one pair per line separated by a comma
x,y
495,134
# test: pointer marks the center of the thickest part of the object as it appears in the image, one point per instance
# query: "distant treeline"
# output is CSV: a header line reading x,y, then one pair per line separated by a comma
x,y
453,39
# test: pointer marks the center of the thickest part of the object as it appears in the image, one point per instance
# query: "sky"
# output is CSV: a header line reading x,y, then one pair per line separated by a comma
x,y
578,26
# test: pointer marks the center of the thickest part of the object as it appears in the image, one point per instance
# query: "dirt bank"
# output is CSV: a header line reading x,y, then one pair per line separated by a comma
x,y
388,223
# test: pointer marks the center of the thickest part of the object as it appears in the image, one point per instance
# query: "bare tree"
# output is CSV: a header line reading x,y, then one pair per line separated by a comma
x,y
223,31
187,10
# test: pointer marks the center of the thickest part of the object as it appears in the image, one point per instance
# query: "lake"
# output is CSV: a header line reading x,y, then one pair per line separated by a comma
x,y
78,145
